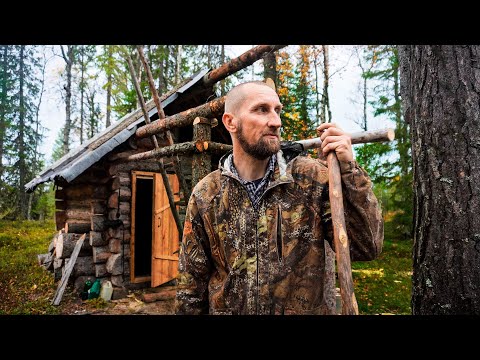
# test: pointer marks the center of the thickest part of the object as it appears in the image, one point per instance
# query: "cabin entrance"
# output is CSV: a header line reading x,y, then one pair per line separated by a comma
x,y
154,234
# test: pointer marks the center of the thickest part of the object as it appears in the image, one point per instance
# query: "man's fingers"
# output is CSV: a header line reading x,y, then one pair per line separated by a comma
x,y
342,147
335,145
333,139
327,125
331,131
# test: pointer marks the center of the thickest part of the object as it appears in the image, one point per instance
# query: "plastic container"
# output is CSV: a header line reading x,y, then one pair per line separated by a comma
x,y
84,294
106,291
94,291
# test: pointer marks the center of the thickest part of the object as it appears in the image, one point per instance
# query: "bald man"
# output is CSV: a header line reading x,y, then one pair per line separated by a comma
x,y
255,228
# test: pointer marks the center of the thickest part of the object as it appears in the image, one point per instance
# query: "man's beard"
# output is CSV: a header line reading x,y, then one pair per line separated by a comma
x,y
260,150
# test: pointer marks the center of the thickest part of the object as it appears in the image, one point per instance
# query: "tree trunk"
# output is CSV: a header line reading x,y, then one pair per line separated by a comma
x,y
22,197
3,104
109,84
37,127
82,90
222,60
270,67
364,91
440,90
178,64
316,53
68,58
326,114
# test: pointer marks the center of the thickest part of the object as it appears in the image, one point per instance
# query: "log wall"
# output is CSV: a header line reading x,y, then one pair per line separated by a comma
x,y
92,204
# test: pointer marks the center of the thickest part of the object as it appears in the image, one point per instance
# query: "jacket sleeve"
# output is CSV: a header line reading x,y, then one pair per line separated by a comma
x,y
194,265
363,215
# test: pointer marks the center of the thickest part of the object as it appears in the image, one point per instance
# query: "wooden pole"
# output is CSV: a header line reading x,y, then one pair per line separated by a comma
x,y
340,238
342,250
181,148
166,183
211,109
189,147
360,137
241,62
161,115
202,161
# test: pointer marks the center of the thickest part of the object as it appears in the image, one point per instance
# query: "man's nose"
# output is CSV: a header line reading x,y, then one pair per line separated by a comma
x,y
274,120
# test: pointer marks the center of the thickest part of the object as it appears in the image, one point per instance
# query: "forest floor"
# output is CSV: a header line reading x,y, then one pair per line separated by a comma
x,y
382,286
133,304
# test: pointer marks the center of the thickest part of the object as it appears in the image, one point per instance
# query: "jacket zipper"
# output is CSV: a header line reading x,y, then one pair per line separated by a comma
x,y
257,296
279,238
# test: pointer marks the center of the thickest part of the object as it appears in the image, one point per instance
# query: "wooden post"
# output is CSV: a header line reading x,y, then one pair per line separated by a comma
x,y
161,115
342,250
202,162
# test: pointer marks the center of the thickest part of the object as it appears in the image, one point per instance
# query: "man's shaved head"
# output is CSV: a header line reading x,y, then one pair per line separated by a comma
x,y
237,94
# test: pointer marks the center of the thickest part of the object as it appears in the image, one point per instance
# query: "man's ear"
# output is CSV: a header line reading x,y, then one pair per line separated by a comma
x,y
229,122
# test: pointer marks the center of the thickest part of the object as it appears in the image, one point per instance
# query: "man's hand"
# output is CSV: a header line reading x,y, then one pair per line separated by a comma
x,y
334,138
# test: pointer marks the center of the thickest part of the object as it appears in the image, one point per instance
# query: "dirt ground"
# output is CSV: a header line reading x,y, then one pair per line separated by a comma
x,y
137,302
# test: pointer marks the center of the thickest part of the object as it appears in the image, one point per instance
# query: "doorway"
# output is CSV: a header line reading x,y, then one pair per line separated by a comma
x,y
154,235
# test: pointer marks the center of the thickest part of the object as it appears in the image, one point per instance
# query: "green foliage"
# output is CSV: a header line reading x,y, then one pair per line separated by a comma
x,y
375,158
96,303
390,164
58,152
383,285
20,82
44,208
295,90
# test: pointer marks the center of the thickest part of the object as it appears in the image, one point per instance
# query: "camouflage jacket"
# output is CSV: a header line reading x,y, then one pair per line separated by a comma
x,y
238,260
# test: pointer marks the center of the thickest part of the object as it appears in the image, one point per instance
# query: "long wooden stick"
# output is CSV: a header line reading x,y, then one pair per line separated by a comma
x,y
211,109
166,183
340,238
360,137
241,62
161,115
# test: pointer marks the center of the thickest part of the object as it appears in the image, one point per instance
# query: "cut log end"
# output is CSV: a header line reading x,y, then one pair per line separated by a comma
x,y
390,134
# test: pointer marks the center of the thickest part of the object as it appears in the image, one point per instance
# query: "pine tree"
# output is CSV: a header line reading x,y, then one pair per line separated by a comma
x,y
7,73
21,155
388,103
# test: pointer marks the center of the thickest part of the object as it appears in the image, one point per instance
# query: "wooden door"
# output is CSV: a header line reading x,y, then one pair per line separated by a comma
x,y
165,233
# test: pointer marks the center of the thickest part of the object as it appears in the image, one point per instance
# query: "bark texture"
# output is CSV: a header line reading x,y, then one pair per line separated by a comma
x,y
440,88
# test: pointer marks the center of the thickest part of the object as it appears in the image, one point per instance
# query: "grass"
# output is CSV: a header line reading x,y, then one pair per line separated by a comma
x,y
382,286
25,287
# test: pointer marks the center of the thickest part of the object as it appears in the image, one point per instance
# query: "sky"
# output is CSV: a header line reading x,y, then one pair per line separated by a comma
x,y
345,77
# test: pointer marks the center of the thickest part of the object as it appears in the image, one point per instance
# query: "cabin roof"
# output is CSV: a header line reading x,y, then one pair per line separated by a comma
x,y
75,162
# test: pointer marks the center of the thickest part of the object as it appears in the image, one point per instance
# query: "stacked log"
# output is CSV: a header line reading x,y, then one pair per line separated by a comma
x,y
66,243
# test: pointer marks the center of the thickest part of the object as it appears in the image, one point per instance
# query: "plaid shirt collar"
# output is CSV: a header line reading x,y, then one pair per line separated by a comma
x,y
254,191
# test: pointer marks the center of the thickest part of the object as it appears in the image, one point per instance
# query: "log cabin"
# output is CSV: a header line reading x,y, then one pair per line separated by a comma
x,y
122,206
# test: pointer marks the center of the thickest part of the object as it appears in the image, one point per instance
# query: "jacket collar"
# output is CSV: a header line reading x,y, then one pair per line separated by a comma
x,y
282,173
